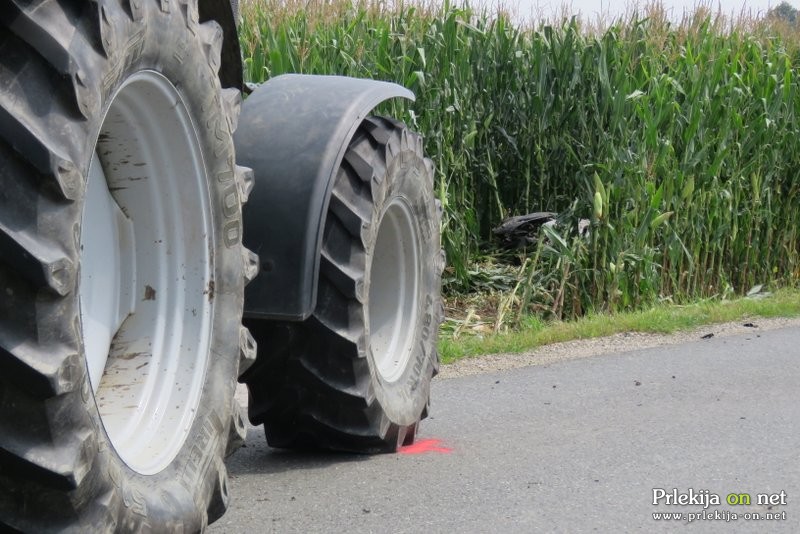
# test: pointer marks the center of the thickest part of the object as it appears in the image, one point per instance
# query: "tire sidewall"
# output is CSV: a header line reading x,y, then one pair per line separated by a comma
x,y
407,178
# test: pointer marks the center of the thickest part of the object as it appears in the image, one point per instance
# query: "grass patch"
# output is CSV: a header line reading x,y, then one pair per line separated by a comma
x,y
663,319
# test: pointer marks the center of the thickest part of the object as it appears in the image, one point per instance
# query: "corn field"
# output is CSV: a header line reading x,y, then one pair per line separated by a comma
x,y
679,142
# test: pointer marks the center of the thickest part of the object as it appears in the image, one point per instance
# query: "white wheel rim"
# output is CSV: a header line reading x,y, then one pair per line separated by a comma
x,y
394,290
146,284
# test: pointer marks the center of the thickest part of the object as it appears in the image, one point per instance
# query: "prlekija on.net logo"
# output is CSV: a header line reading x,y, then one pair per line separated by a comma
x,y
736,506
706,498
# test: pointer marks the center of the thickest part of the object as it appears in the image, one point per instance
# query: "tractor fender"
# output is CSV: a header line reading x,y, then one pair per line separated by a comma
x,y
293,132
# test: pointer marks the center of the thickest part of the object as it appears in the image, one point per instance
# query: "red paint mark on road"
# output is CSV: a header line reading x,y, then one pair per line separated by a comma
x,y
425,445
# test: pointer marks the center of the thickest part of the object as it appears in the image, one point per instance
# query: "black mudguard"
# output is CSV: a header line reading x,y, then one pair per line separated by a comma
x,y
293,133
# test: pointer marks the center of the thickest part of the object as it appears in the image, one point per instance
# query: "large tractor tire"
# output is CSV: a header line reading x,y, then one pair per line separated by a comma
x,y
121,267
355,376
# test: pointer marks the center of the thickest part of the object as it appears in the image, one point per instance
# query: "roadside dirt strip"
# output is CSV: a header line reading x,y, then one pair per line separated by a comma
x,y
618,343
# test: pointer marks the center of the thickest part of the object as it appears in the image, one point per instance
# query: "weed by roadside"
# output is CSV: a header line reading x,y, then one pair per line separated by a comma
x,y
477,336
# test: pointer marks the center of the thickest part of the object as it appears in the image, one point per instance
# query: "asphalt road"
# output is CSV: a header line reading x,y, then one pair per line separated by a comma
x,y
575,446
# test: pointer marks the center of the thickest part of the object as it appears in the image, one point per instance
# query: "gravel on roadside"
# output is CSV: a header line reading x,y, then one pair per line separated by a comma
x,y
624,342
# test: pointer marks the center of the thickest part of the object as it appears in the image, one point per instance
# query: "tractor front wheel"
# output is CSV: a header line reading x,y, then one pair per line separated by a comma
x,y
356,375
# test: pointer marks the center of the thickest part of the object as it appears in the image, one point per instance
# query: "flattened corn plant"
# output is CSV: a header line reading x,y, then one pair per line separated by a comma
x,y
679,141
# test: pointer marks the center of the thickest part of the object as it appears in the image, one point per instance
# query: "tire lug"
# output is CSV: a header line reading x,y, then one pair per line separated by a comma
x,y
252,264
246,180
247,350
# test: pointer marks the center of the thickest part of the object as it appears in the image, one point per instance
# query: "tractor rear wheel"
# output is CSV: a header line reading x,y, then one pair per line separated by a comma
x,y
356,375
121,267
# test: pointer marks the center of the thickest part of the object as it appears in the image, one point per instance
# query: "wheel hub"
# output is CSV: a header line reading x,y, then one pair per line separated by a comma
x,y
146,283
394,290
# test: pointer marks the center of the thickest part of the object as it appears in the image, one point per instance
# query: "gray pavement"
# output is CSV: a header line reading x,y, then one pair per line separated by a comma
x,y
575,446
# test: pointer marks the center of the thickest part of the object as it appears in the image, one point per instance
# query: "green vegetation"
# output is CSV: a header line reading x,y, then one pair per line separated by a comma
x,y
662,319
680,143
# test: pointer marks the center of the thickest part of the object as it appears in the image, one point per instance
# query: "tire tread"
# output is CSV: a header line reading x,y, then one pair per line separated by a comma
x,y
311,385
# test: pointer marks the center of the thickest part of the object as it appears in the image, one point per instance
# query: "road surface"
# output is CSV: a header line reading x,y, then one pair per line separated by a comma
x,y
575,446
